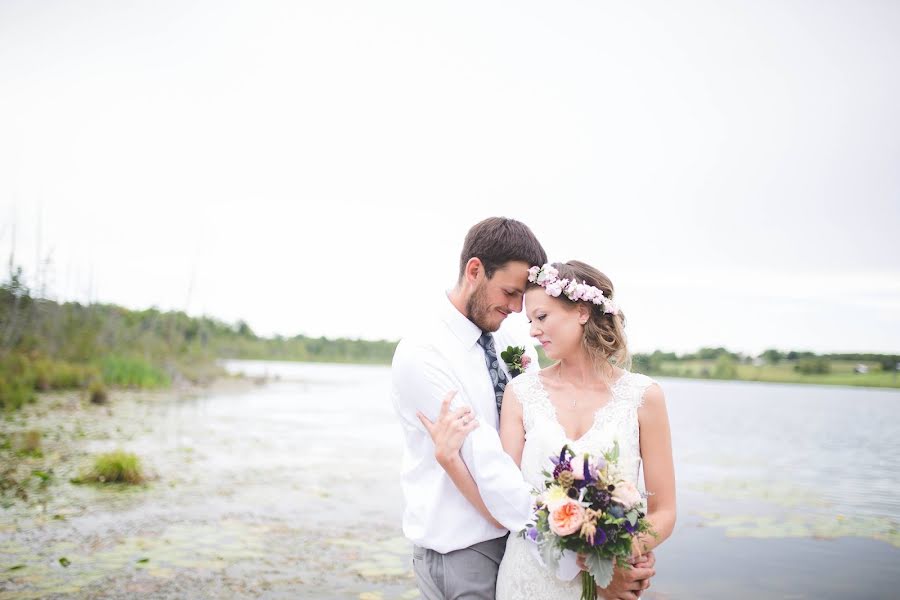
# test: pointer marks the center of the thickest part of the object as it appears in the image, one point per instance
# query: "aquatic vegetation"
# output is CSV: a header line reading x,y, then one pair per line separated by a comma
x,y
813,525
132,372
97,393
27,443
114,467
16,382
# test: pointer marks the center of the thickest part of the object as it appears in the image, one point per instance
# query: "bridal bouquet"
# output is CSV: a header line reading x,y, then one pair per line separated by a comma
x,y
588,508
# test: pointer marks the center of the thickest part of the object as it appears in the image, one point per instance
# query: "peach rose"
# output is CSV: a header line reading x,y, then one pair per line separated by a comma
x,y
566,518
626,494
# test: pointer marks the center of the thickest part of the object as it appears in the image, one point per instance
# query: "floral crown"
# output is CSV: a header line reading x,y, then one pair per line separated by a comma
x,y
548,278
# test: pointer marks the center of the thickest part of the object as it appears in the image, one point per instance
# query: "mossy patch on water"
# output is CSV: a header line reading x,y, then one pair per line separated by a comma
x,y
193,547
782,494
810,525
378,560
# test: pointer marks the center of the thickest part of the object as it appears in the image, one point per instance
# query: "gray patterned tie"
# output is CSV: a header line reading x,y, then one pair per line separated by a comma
x,y
498,377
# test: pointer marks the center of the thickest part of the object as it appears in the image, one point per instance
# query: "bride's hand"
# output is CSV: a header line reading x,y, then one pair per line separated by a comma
x,y
640,556
450,429
643,561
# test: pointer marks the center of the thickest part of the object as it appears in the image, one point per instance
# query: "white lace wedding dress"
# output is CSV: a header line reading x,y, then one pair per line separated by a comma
x,y
521,577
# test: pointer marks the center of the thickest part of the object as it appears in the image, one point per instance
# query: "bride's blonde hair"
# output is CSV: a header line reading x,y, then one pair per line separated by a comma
x,y
604,333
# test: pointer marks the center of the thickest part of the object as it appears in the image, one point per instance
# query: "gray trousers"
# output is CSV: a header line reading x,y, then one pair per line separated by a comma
x,y
466,574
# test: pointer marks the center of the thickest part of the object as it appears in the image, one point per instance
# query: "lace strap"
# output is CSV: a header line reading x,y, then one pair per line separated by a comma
x,y
638,384
528,391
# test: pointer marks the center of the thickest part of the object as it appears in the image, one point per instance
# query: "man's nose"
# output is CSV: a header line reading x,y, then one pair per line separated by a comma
x,y
516,305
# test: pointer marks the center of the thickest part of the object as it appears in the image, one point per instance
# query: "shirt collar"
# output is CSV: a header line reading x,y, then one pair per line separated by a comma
x,y
465,330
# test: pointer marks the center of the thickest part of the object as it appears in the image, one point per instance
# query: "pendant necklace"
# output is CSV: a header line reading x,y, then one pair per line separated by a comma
x,y
559,378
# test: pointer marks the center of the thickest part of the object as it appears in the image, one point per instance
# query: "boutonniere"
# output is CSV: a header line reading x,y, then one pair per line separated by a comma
x,y
516,359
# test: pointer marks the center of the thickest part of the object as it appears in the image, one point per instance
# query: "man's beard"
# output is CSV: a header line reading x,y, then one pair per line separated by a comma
x,y
478,310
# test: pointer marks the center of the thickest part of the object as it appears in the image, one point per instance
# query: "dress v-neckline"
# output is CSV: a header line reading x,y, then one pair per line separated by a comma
x,y
612,398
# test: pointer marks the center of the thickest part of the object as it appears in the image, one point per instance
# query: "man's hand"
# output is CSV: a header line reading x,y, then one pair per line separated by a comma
x,y
450,429
628,584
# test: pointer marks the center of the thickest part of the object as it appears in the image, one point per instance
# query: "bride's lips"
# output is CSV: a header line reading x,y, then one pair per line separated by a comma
x,y
545,343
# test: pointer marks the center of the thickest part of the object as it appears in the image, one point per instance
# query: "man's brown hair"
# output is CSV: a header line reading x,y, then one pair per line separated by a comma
x,y
497,241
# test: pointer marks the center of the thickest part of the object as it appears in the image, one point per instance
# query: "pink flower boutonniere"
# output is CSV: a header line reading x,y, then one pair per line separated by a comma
x,y
516,359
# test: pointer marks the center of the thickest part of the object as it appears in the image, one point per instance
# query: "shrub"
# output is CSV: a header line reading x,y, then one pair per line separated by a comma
x,y
813,366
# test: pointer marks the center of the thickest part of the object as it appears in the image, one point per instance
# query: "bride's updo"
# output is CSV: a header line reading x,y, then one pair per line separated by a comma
x,y
604,333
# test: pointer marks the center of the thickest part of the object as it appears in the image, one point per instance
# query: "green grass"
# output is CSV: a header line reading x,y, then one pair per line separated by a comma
x,y
21,375
784,372
132,372
114,467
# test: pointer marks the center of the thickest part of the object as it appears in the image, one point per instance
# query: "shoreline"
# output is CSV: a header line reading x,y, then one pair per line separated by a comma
x,y
814,380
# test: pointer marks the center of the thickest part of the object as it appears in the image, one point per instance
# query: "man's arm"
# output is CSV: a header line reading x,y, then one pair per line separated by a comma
x,y
421,380
448,434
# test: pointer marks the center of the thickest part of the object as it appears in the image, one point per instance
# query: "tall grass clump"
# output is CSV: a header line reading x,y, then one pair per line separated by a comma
x,y
114,467
132,372
17,380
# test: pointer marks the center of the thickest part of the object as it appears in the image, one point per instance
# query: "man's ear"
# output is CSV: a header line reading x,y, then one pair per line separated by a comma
x,y
474,270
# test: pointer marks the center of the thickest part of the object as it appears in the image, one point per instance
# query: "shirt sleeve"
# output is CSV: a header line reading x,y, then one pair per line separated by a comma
x,y
421,380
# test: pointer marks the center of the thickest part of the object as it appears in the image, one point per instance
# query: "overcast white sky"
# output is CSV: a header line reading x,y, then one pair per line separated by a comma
x,y
312,167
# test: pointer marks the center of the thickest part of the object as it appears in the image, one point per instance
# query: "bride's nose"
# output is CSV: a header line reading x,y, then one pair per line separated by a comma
x,y
534,330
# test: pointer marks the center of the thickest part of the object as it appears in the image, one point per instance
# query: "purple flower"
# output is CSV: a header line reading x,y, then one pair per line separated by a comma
x,y
562,466
532,533
629,527
599,537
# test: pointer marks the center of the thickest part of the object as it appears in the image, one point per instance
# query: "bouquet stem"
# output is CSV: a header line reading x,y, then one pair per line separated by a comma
x,y
588,586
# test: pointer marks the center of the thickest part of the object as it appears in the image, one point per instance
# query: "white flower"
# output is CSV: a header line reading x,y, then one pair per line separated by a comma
x,y
554,289
626,494
547,274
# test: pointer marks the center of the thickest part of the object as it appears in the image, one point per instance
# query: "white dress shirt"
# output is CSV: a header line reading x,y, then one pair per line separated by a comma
x,y
442,356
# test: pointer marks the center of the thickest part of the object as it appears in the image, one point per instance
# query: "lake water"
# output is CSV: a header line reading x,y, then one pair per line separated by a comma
x,y
290,489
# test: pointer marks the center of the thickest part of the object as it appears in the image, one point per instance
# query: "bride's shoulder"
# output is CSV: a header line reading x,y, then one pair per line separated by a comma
x,y
642,386
524,380
526,386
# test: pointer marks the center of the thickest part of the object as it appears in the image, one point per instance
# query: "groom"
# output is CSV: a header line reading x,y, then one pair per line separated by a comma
x,y
456,551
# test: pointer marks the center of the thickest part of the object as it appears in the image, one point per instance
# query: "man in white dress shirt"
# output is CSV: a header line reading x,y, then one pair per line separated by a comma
x,y
456,550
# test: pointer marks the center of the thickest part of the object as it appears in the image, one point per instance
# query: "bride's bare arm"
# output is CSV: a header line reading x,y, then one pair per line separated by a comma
x,y
512,428
448,433
659,470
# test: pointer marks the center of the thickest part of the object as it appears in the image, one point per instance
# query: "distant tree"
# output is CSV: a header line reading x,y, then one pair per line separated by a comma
x,y
726,367
244,330
772,356
889,363
813,366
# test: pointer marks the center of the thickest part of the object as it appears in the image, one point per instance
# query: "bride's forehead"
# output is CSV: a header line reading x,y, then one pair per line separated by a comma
x,y
536,298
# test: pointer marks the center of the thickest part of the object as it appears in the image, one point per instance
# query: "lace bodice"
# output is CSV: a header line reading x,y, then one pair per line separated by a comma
x,y
520,575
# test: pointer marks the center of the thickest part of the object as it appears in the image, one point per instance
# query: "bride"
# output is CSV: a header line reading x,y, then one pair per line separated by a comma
x,y
588,400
